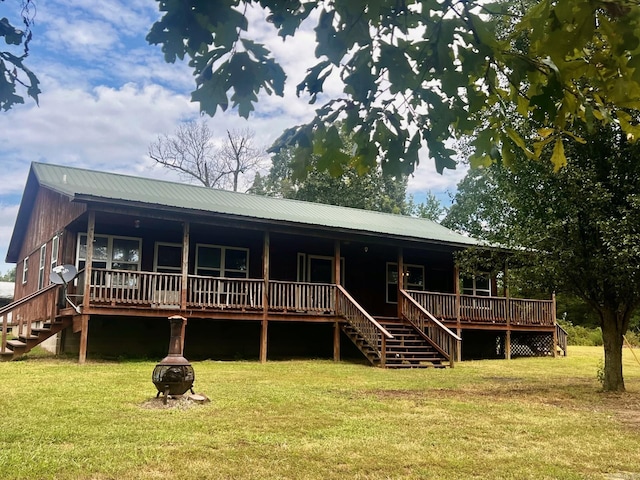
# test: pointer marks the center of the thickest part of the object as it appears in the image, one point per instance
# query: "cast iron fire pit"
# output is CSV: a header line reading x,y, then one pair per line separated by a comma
x,y
174,374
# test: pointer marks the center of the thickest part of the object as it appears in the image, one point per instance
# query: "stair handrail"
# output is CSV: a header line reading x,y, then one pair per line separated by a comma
x,y
562,337
446,342
15,304
372,332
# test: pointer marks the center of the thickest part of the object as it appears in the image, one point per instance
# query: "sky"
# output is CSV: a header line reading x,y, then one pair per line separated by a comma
x,y
107,95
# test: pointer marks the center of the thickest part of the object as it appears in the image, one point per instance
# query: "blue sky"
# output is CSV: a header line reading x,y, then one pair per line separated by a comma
x,y
107,95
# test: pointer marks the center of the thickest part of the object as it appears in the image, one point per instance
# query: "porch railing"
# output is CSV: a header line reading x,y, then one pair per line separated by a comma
x,y
135,288
443,339
302,297
489,310
233,293
40,306
369,329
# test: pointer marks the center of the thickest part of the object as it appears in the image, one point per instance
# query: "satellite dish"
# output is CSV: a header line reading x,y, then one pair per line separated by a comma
x,y
63,274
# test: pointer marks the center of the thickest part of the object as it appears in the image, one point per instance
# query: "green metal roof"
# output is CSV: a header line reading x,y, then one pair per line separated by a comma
x,y
92,185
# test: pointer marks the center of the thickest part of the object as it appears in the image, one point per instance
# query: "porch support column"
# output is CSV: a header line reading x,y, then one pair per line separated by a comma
x,y
185,266
338,281
265,298
84,319
456,290
400,279
507,346
84,337
555,329
91,233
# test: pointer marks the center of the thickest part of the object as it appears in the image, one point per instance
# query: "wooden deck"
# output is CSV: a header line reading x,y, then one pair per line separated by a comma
x,y
162,291
440,317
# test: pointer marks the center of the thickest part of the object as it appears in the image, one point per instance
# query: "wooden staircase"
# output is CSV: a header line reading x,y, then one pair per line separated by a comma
x,y
15,348
407,349
29,321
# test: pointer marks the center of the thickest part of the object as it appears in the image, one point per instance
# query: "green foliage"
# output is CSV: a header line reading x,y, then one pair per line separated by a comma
x,y
10,276
430,209
14,74
370,190
420,72
574,229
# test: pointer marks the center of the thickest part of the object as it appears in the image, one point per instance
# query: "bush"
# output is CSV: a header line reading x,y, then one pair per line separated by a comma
x,y
592,337
579,335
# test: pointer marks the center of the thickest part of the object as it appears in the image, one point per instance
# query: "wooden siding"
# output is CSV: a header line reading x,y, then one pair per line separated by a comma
x,y
51,213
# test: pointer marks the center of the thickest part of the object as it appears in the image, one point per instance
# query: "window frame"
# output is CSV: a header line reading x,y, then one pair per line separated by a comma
x,y
55,250
389,281
41,265
109,260
223,269
166,268
473,290
25,269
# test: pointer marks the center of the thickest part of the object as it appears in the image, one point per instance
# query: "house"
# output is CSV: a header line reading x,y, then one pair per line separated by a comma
x,y
255,277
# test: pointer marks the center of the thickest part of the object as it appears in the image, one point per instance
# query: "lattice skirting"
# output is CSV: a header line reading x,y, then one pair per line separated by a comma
x,y
531,344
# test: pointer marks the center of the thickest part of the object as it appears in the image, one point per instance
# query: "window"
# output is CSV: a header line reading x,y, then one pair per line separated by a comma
x,y
55,247
218,261
479,285
25,269
168,258
43,254
318,269
114,253
413,280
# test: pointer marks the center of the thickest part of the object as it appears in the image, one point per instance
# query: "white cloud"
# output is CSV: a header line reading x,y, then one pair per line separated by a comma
x,y
107,95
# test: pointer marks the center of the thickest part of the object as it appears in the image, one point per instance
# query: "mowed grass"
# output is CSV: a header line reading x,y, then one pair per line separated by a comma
x,y
316,419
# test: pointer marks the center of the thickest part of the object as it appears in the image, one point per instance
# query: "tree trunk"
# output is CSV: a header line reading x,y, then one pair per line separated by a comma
x,y
612,331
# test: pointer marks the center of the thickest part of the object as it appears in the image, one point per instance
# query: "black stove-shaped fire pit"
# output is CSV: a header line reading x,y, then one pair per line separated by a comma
x,y
174,374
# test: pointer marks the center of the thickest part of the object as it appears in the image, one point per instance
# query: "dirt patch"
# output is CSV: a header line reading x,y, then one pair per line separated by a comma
x,y
182,402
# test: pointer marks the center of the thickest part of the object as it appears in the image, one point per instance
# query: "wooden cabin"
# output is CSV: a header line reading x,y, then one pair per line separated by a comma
x,y
256,277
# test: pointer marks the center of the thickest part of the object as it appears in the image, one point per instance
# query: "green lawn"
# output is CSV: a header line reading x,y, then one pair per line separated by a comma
x,y
519,419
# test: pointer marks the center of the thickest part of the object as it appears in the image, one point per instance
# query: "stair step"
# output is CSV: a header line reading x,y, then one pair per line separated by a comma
x,y
16,346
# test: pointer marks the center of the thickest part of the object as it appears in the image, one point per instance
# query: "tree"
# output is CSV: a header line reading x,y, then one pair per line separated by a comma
x,y
576,230
14,74
371,190
193,153
430,209
420,71
10,276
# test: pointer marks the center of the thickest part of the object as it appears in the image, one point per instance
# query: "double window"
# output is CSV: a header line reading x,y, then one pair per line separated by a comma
x,y
479,285
110,252
413,279
219,261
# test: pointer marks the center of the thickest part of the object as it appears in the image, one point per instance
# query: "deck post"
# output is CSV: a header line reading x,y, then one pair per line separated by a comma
x,y
84,337
400,279
555,329
456,289
185,266
91,231
338,281
336,260
265,298
507,346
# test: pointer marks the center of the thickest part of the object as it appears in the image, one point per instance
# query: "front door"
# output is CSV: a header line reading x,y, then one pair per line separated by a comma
x,y
320,269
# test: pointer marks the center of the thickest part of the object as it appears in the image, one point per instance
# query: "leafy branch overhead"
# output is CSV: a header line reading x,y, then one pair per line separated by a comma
x,y
420,72
14,74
